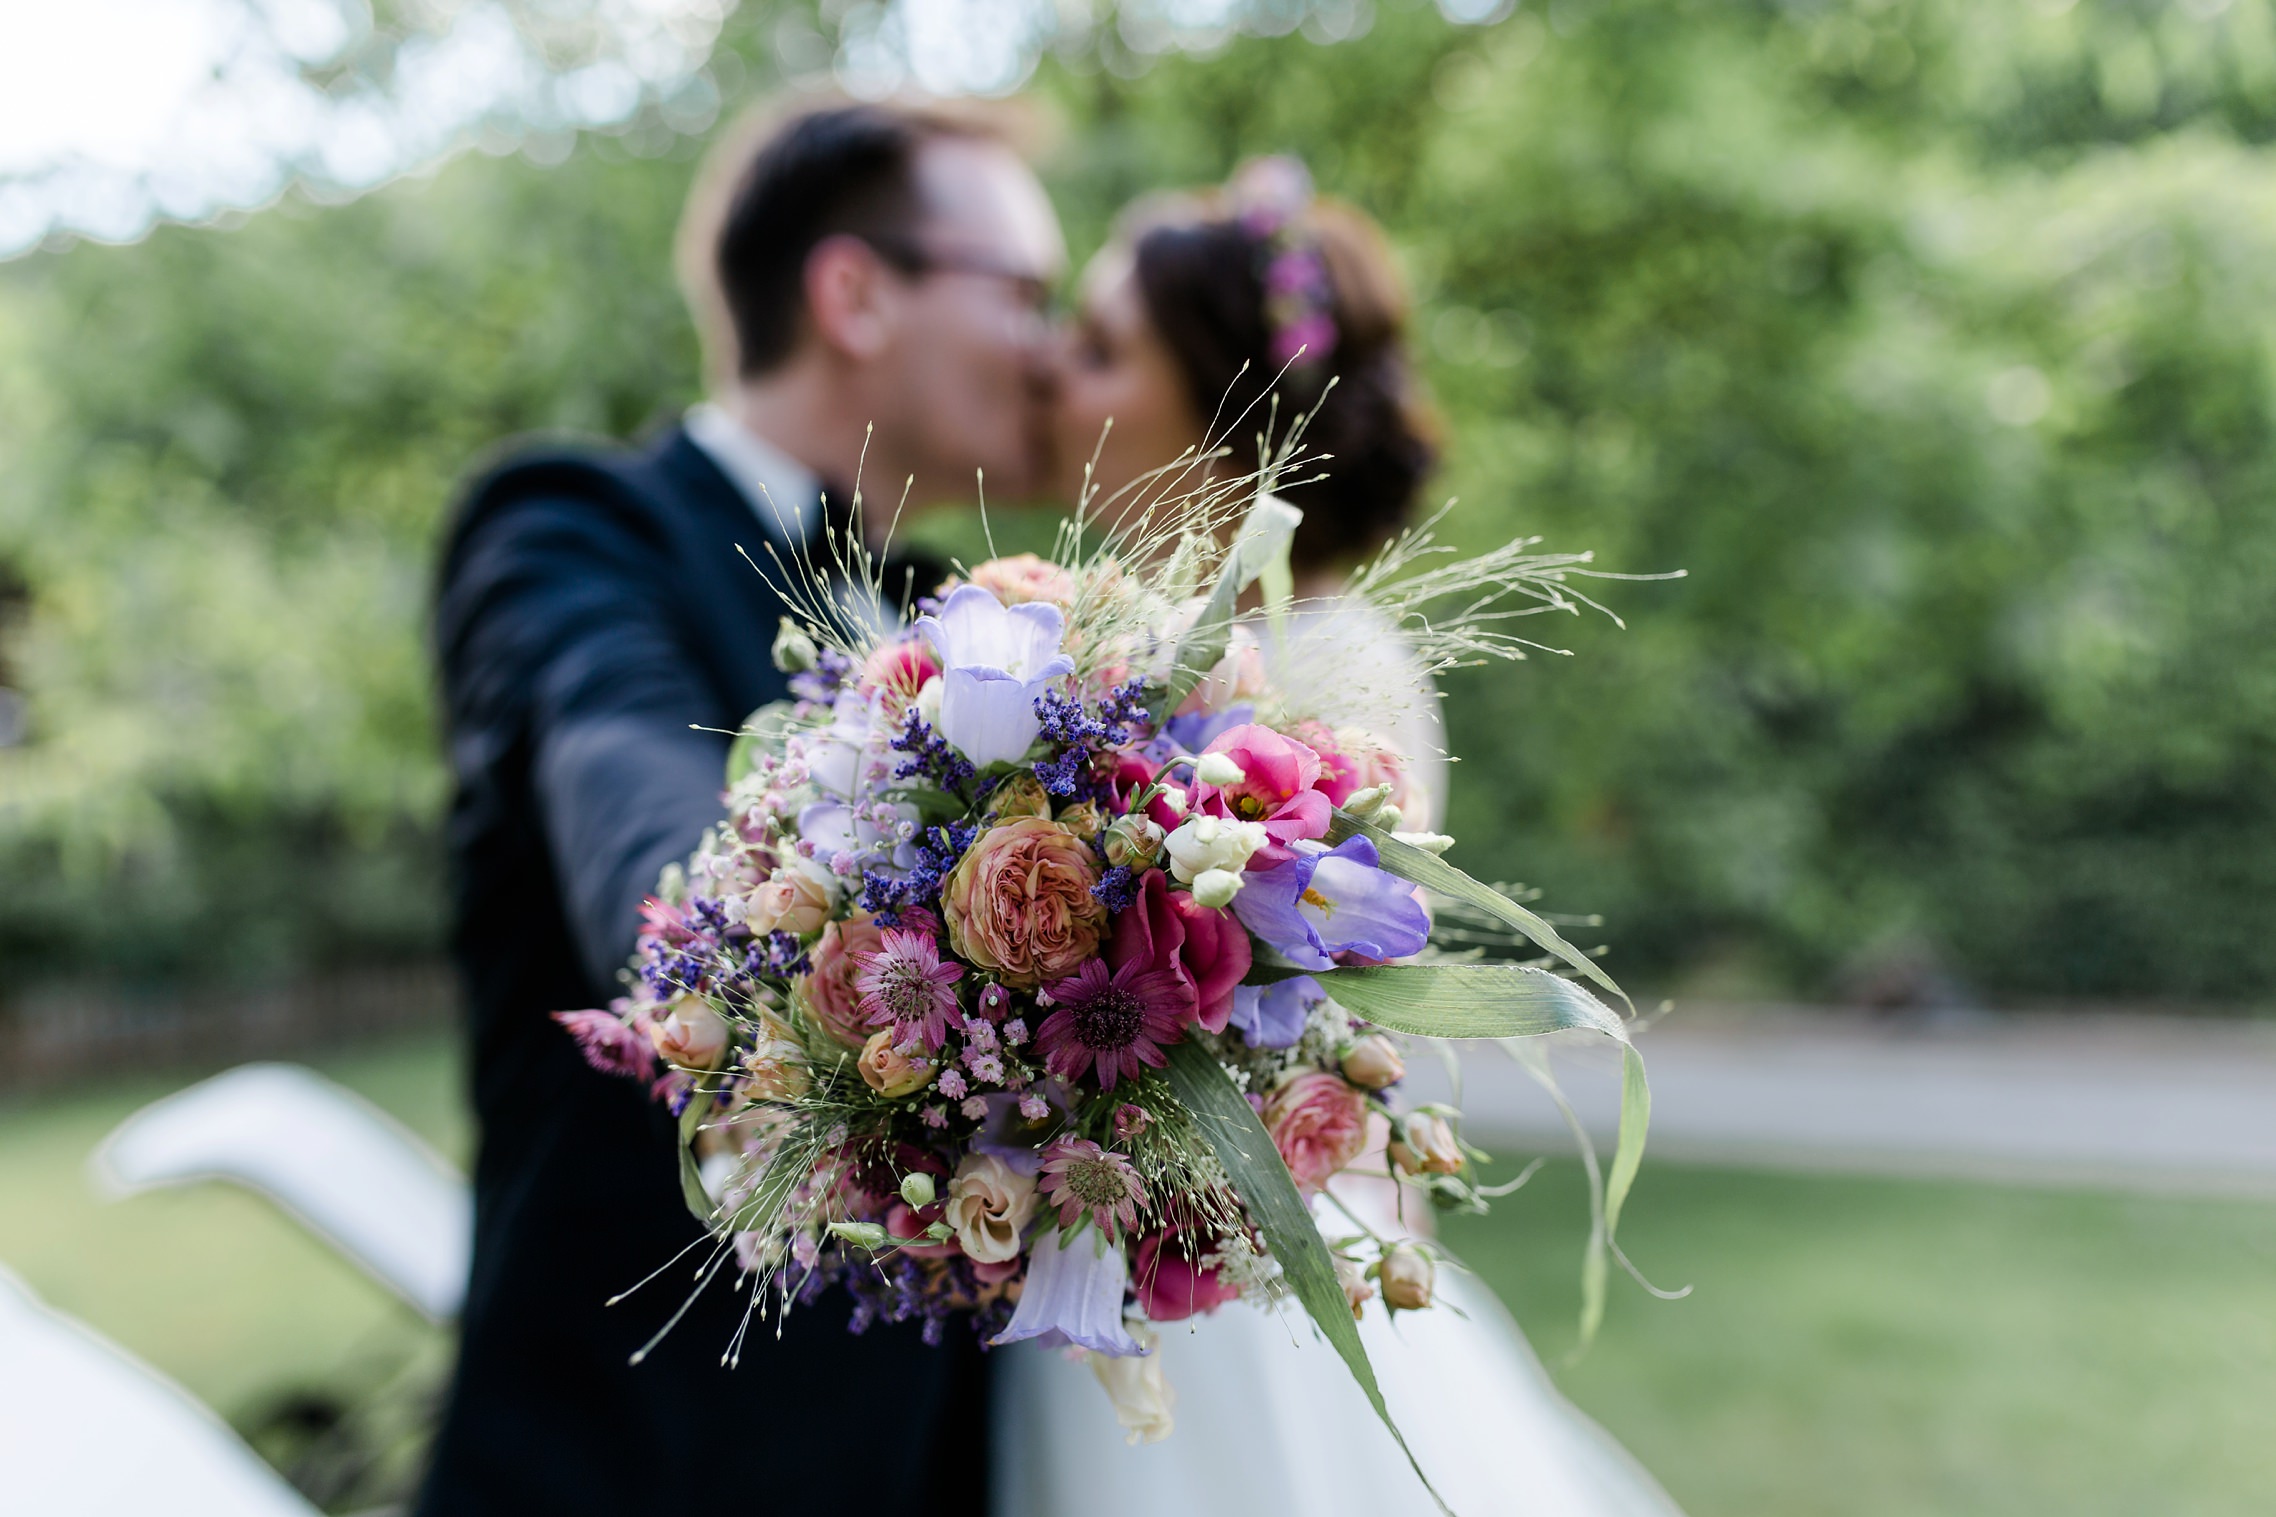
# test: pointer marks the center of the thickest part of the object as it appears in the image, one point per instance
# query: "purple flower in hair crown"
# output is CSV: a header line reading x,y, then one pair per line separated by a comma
x,y
1271,196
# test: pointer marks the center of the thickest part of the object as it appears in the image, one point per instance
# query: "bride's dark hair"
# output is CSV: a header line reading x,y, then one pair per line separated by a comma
x,y
1201,267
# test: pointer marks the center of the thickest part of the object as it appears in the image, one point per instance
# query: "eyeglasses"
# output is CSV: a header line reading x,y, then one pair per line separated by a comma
x,y
1036,292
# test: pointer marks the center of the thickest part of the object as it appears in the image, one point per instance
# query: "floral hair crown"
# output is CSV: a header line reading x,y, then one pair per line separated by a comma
x,y
1270,197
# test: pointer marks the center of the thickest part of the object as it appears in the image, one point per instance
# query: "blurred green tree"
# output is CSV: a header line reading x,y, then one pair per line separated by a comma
x,y
1933,340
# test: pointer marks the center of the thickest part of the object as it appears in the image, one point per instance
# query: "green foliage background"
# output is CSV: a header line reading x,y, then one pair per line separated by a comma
x,y
1933,340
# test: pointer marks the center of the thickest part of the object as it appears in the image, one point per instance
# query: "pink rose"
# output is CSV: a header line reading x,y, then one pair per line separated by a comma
x,y
1319,1124
1204,949
1172,1285
1019,904
828,992
690,1034
1276,788
1025,577
899,671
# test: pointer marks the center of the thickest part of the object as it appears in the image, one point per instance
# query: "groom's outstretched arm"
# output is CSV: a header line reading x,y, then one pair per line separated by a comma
x,y
556,634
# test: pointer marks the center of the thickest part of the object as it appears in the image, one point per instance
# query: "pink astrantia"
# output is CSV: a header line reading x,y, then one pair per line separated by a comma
x,y
903,984
1113,1020
1078,1176
609,1044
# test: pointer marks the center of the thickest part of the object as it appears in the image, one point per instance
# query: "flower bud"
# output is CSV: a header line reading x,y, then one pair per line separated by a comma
x,y
1428,842
1363,804
1130,1120
1356,1290
939,1232
1406,1273
1174,798
1134,841
1372,1062
1083,820
1020,795
1423,1144
917,1189
1218,769
860,1234
1216,887
794,650
1386,817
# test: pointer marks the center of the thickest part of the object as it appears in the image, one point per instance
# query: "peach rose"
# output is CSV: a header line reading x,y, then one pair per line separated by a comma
x,y
690,1034
1025,577
888,1071
1319,1124
792,900
1019,904
989,1205
1424,1144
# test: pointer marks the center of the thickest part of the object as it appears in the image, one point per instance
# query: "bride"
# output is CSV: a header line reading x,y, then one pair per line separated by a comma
x,y
1260,289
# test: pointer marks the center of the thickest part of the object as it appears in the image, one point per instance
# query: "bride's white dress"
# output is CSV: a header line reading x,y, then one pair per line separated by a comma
x,y
1267,1417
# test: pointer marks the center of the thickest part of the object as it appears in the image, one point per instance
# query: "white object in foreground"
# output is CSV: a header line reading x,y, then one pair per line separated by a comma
x,y
344,1168
88,1430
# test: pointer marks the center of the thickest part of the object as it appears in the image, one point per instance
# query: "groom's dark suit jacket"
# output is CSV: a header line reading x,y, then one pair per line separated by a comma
x,y
592,607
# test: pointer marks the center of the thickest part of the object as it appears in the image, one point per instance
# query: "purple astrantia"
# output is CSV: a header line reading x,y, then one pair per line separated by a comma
x,y
1073,1296
996,660
1117,1020
1326,901
1083,1179
1273,1016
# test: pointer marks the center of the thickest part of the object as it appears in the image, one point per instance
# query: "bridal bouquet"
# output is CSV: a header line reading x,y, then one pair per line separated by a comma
x,y
1055,951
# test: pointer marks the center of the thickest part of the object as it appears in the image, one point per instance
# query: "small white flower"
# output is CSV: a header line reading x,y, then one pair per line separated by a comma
x,y
1216,887
1218,769
1204,843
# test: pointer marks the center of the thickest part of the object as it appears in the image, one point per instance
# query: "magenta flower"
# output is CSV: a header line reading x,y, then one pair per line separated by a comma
x,y
1078,1176
904,984
1116,1019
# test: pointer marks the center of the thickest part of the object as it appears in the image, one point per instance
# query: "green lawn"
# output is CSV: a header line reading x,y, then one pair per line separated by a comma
x,y
1865,1348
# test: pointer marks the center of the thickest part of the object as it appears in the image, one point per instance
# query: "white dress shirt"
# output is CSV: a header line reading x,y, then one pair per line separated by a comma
x,y
784,494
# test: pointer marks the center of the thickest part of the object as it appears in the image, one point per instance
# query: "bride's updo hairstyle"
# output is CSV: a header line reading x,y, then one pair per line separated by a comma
x,y
1247,276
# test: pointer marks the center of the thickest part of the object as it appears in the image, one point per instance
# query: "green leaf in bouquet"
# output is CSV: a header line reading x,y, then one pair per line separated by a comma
x,y
1433,873
1237,1136
1469,1000
691,1177
1260,548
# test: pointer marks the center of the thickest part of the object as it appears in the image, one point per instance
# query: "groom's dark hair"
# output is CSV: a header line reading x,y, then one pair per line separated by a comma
x,y
784,184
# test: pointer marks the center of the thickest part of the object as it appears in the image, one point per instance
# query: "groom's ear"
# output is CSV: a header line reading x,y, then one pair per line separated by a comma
x,y
852,297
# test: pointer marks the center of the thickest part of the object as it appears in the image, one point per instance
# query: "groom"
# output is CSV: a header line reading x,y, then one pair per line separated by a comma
x,y
867,268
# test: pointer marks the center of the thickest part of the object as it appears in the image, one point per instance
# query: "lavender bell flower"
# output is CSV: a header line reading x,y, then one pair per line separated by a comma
x,y
1074,1295
997,659
1273,1016
1327,901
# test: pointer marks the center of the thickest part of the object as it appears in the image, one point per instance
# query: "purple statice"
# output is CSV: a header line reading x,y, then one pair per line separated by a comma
x,y
1117,887
937,849
930,756
832,672
1080,733
897,1288
777,956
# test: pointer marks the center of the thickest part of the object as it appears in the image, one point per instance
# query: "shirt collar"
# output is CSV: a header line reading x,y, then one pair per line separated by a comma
x,y
783,493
